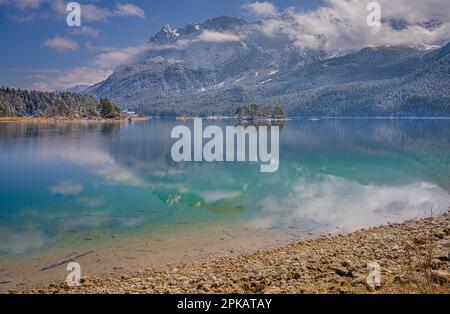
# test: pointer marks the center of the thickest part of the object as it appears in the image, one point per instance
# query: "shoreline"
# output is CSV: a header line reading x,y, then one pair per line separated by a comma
x,y
68,120
112,254
181,118
414,257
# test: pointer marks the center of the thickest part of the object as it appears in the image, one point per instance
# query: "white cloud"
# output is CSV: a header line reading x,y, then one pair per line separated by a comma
x,y
40,86
66,188
81,76
86,30
34,9
91,12
340,25
114,58
67,78
128,10
92,47
23,4
212,36
261,9
94,13
61,44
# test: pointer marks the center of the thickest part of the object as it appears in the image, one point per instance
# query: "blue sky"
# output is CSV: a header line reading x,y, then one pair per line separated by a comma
x,y
26,26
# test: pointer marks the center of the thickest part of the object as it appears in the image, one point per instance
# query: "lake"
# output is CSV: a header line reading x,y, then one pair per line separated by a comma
x,y
110,196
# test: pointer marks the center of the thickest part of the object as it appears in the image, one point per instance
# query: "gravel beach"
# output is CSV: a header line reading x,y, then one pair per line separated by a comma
x,y
414,257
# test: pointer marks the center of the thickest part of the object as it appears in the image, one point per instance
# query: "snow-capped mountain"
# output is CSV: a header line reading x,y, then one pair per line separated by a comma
x,y
214,66
166,35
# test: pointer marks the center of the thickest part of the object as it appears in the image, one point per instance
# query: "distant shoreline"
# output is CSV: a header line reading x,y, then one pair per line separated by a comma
x,y
188,118
372,118
289,118
68,120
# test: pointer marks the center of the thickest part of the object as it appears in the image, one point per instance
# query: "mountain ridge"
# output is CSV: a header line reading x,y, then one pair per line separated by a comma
x,y
209,68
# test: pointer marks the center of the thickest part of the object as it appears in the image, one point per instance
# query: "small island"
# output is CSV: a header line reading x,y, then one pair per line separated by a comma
x,y
255,112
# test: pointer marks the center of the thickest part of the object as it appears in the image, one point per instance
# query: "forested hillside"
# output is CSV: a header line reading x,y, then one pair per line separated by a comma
x,y
20,103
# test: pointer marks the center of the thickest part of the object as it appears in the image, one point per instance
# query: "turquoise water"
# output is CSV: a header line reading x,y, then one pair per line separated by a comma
x,y
60,180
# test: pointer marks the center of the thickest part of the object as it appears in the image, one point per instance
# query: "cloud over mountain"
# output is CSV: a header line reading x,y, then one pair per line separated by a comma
x,y
60,79
212,36
341,25
261,9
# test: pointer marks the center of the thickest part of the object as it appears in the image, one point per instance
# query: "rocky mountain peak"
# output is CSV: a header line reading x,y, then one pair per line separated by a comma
x,y
223,23
166,35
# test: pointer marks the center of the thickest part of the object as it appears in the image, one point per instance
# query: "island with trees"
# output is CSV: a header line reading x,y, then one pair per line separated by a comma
x,y
255,112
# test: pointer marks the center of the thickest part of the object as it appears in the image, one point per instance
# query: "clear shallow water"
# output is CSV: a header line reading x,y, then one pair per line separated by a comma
x,y
59,181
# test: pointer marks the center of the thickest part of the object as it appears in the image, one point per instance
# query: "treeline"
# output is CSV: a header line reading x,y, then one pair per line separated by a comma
x,y
21,103
254,111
